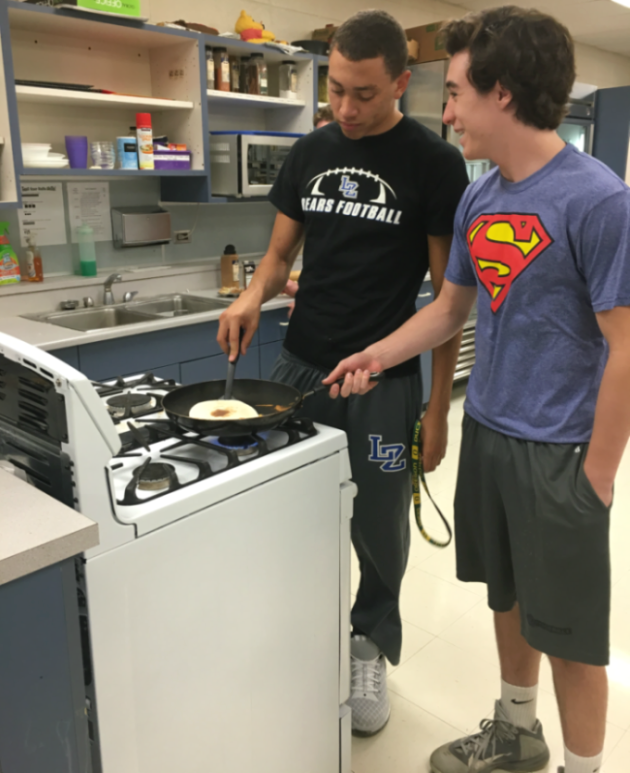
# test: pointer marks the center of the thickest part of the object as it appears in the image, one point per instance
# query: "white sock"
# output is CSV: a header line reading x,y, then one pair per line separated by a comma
x,y
575,764
519,703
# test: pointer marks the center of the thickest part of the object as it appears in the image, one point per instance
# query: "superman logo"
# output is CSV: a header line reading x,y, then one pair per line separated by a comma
x,y
502,247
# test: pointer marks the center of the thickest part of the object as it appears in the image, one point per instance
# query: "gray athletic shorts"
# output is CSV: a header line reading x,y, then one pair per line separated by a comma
x,y
530,525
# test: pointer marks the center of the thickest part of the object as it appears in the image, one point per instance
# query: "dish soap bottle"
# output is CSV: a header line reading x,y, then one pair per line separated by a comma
x,y
87,250
34,269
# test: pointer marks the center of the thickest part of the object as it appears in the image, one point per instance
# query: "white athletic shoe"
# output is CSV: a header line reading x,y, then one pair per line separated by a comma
x,y
369,700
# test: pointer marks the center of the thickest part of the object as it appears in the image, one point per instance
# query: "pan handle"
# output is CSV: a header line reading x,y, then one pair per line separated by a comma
x,y
373,377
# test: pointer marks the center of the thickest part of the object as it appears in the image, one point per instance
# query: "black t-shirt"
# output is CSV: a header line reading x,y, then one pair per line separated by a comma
x,y
367,207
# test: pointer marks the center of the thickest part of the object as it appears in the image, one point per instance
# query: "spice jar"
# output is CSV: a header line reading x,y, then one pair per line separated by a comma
x,y
209,68
322,84
221,69
258,75
235,73
288,80
244,75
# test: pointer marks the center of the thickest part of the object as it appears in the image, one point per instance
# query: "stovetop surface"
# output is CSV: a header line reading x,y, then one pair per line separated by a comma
x,y
158,457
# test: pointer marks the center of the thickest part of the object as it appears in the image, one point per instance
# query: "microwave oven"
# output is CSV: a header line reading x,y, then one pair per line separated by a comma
x,y
247,163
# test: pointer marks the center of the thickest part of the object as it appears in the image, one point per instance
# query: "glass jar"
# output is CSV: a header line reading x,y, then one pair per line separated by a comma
x,y
209,68
221,69
253,75
244,75
288,80
322,84
258,72
235,74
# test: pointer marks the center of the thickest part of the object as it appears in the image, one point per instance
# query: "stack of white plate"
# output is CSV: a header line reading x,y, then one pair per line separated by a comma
x,y
37,155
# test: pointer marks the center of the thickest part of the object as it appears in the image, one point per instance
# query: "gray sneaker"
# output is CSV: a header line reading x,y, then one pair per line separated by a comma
x,y
499,746
368,699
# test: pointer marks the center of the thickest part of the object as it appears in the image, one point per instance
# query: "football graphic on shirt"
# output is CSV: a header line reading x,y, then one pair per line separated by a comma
x,y
352,192
502,246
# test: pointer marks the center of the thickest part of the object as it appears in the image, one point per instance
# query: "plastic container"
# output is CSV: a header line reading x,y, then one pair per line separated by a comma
x,y
230,268
9,264
87,250
288,79
144,133
209,68
127,152
248,270
221,69
34,268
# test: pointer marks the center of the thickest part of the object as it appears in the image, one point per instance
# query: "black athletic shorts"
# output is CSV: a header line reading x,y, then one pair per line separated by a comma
x,y
530,525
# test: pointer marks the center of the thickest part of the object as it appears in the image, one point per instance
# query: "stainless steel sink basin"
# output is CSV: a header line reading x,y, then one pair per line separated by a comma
x,y
176,305
143,310
94,319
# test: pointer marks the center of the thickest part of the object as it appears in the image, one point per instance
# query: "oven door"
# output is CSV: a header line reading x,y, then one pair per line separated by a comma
x,y
260,160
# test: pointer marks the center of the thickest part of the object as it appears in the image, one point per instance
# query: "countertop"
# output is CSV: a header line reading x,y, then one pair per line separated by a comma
x,y
37,530
50,337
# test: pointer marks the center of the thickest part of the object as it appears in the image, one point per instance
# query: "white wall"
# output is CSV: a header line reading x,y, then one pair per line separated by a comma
x,y
296,19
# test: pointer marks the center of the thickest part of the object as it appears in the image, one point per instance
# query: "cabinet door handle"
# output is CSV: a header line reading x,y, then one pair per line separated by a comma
x,y
424,295
283,324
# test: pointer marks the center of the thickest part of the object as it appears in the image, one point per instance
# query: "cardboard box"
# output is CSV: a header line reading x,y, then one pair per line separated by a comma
x,y
430,42
325,33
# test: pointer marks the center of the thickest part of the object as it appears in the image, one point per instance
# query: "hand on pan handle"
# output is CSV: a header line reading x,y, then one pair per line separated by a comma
x,y
239,321
358,374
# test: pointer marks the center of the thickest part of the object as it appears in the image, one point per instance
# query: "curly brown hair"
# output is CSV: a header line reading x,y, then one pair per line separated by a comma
x,y
529,53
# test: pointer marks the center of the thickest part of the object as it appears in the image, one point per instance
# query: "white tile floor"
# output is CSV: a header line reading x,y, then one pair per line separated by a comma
x,y
448,677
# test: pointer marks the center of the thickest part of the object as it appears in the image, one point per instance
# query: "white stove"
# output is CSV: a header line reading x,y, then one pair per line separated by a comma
x,y
222,569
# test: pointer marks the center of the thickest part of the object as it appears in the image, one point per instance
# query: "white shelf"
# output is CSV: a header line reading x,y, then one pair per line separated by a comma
x,y
251,100
45,96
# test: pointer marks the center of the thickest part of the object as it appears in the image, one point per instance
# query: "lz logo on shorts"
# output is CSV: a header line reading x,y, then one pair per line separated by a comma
x,y
502,247
349,188
389,455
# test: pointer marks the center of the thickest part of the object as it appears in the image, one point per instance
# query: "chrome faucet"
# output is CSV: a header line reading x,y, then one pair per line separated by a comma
x,y
108,298
129,296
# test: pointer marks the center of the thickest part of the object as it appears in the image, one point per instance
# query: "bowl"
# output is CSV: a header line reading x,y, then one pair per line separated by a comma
x,y
313,46
34,150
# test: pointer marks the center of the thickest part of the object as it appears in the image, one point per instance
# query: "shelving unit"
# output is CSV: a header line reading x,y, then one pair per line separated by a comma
x,y
9,189
45,96
165,67
218,98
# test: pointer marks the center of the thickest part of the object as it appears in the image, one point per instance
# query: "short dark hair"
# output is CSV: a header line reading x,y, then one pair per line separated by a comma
x,y
369,34
529,53
324,113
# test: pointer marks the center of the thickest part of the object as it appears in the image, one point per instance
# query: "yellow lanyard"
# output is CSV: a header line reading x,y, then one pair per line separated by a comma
x,y
418,477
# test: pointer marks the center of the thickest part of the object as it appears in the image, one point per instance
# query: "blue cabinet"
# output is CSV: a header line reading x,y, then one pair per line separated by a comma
x,y
268,356
425,297
187,354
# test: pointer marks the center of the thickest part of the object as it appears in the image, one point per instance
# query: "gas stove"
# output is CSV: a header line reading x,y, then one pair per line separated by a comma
x,y
223,565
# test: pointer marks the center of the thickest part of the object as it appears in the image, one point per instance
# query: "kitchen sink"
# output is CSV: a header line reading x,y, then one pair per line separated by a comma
x,y
177,305
94,319
144,310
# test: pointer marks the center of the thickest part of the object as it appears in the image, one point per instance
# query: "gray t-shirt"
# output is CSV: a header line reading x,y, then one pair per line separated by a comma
x,y
546,254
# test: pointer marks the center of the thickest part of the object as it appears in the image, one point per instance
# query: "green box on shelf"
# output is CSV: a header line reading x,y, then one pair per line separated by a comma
x,y
124,7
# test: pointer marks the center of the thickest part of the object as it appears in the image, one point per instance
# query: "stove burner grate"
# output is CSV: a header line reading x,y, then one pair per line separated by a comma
x,y
234,449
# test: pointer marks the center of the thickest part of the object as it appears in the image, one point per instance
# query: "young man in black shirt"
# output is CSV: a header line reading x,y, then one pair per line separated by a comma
x,y
374,196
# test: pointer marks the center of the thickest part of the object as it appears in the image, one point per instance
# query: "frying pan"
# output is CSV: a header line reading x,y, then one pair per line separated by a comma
x,y
274,402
